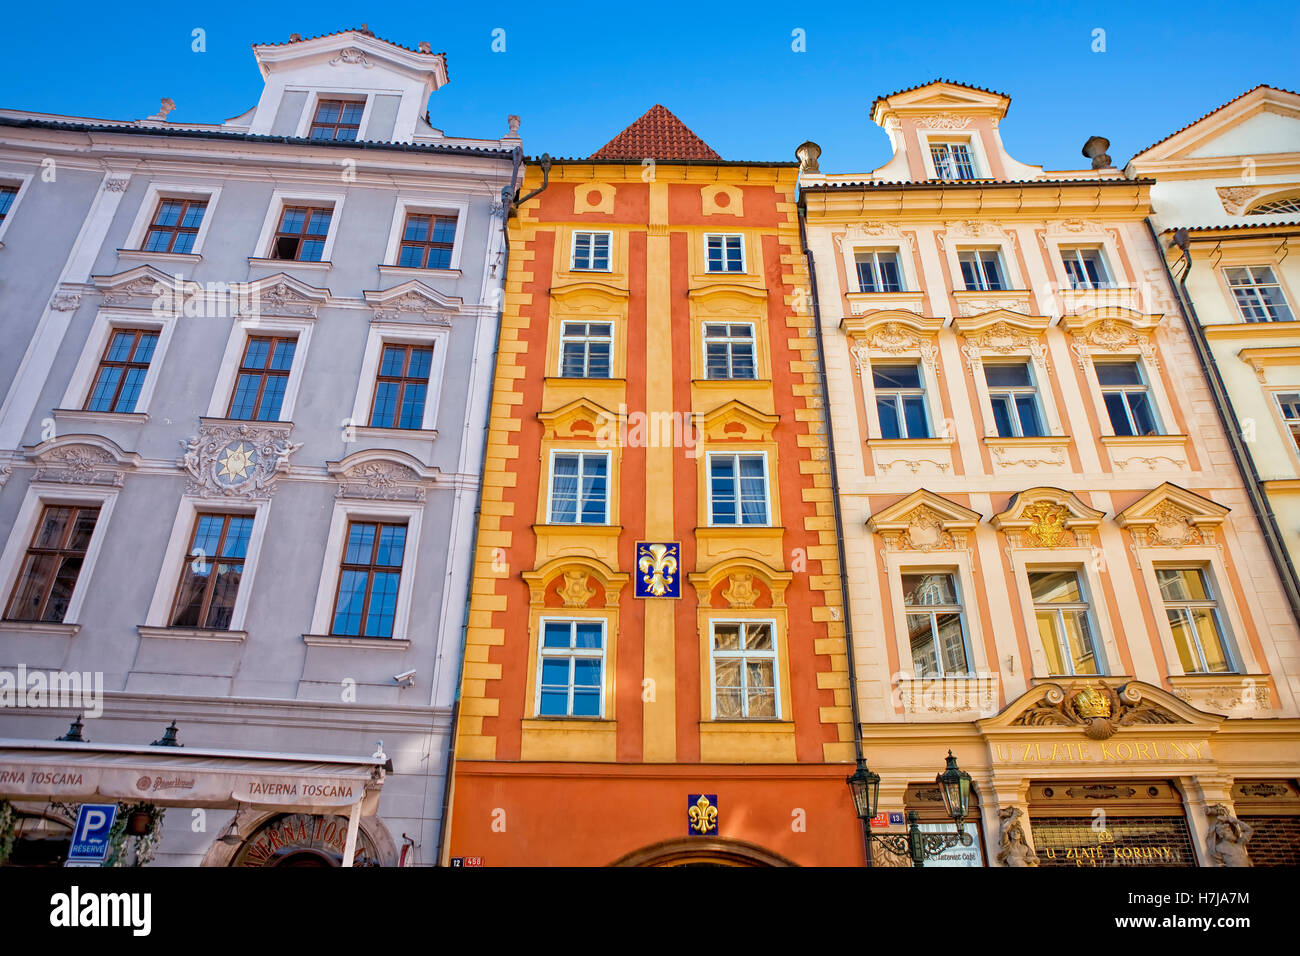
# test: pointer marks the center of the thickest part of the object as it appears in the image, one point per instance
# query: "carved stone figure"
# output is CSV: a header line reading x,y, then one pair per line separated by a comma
x,y
1014,848
1226,841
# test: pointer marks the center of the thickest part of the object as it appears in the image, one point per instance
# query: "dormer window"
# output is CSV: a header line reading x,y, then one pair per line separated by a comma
x,y
952,161
337,120
301,233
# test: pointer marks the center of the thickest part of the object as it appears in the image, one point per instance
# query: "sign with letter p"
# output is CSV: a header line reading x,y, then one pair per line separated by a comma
x,y
90,836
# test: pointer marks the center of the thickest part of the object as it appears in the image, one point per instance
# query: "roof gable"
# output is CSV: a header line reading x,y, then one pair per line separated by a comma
x,y
657,134
1233,130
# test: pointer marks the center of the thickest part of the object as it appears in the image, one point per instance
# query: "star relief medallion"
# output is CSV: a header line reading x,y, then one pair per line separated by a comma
x,y
236,463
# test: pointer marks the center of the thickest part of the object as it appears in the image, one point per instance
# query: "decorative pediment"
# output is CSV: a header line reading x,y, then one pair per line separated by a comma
x,y
892,332
382,474
1047,518
1237,128
1074,227
1097,707
736,421
867,232
281,294
741,583
145,287
81,460
1000,332
581,419
728,299
593,297
571,581
1172,517
924,521
1111,329
413,301
230,459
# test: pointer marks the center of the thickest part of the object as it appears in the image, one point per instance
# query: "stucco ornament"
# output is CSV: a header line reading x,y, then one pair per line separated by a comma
x,y
236,460
1173,528
381,481
1014,848
1046,524
78,465
1227,837
1236,198
1098,709
574,591
352,55
741,592
5,473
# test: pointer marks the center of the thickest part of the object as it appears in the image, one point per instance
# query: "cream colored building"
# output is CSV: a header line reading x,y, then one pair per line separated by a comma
x,y
1054,567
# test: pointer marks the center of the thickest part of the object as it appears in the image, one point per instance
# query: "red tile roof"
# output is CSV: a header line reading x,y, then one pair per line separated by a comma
x,y
1258,86
364,30
658,134
919,86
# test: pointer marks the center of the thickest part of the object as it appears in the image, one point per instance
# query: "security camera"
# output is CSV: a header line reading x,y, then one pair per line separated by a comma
x,y
406,678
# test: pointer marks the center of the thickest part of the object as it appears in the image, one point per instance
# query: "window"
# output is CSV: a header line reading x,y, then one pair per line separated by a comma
x,y
878,272
213,569
1015,400
122,370
427,241
934,625
7,194
1289,404
1085,268
1291,204
585,349
1194,619
338,120
738,489
302,233
1259,296
729,351
1061,608
263,375
981,269
368,578
579,488
724,253
744,670
401,387
175,225
52,564
1128,400
572,678
591,251
952,161
900,401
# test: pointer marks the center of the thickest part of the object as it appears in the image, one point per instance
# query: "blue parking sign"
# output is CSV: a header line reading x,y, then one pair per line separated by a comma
x,y
90,837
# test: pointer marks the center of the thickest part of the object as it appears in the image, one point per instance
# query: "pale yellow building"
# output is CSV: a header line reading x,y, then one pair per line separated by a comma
x,y
1053,565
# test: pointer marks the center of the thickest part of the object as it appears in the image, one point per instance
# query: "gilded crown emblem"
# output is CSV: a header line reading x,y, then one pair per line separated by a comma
x,y
1090,703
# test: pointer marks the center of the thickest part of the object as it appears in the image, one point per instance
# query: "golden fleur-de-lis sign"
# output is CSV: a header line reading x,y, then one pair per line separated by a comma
x,y
703,815
657,564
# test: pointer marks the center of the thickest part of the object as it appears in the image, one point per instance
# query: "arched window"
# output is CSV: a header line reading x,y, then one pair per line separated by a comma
x,y
1286,204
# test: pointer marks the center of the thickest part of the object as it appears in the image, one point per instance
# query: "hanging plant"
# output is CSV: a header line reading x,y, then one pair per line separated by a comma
x,y
8,830
146,842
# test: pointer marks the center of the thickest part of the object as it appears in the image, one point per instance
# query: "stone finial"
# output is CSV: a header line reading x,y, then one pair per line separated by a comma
x,y
425,47
168,104
295,37
513,121
1095,149
808,153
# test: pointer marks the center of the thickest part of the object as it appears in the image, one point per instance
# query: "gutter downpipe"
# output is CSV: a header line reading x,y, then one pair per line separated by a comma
x,y
509,195
1227,416
839,519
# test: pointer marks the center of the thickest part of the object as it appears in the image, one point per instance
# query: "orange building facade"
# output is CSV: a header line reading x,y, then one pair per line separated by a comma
x,y
655,667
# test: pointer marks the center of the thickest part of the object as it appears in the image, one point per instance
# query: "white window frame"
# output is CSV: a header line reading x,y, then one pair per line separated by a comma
x,y
958,563
310,196
573,249
774,655
1256,285
744,257
177,553
347,510
424,206
1074,252
550,486
1144,378
704,348
1085,588
979,164
21,181
1291,425
41,494
571,652
977,252
962,619
316,94
156,193
1231,648
106,322
1035,386
261,326
870,370
875,254
767,488
586,340
397,333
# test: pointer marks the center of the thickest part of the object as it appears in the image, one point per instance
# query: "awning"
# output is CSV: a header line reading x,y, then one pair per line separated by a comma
x,y
188,777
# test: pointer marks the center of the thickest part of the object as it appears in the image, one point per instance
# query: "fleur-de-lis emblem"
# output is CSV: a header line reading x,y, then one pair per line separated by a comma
x,y
658,566
703,816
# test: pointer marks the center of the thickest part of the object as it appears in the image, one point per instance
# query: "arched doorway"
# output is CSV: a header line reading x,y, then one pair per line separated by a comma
x,y
697,851
303,839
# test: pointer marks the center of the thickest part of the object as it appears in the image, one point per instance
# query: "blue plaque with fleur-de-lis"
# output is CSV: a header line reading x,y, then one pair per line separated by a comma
x,y
702,814
658,569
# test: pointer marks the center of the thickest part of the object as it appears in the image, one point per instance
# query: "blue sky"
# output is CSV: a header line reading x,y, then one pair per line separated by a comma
x,y
578,73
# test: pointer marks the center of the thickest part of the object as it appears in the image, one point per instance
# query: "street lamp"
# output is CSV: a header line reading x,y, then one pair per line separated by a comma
x,y
865,787
954,784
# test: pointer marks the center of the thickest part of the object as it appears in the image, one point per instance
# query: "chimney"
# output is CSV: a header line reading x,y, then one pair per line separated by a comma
x,y
1095,149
